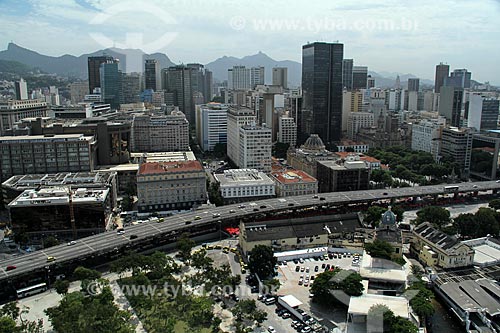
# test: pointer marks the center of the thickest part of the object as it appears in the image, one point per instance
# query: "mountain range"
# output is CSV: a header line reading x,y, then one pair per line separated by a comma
x,y
73,66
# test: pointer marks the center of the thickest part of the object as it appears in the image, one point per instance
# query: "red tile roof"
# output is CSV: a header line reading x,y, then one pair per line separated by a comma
x,y
293,176
165,167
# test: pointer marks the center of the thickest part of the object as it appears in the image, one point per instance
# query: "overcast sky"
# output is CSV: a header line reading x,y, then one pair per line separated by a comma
x,y
386,35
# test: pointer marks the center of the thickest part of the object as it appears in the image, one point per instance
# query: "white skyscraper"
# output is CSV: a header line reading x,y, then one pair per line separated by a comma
x,y
256,76
236,118
287,130
255,150
21,90
239,78
211,125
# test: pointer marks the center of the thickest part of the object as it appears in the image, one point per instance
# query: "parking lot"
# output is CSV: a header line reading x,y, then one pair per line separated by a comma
x,y
296,278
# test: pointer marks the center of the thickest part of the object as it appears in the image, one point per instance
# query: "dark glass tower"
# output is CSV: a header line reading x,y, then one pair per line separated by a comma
x,y
442,72
111,84
322,91
94,63
151,71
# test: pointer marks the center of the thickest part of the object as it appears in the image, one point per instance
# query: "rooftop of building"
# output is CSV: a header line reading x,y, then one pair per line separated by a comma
x,y
153,168
169,156
340,165
436,237
474,296
299,228
381,270
243,177
93,179
48,137
347,142
362,304
215,106
313,143
486,250
59,196
293,176
344,155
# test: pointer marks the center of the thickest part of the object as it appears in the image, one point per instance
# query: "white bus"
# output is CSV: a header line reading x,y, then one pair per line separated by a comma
x,y
450,189
32,290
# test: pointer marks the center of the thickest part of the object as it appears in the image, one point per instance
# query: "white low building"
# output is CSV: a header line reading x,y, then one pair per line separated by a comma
x,y
238,185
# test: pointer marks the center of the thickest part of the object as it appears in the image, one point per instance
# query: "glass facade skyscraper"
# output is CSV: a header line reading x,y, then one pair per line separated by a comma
x,y
322,91
111,87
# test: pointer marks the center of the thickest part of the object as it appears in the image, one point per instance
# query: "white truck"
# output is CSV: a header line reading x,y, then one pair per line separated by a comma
x,y
291,304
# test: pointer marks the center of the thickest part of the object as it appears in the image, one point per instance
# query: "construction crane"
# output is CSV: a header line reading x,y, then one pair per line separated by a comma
x,y
71,211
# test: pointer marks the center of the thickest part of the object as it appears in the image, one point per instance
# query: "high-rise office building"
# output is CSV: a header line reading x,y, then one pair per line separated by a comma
x,y
110,81
482,113
13,111
287,131
236,118
322,90
257,75
160,133
450,104
151,74
94,65
78,90
131,88
280,77
238,78
370,83
359,77
456,144
347,65
177,83
33,154
413,84
201,81
21,90
459,78
255,148
211,125
442,71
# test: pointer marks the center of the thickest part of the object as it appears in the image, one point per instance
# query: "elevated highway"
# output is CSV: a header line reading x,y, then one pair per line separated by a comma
x,y
111,242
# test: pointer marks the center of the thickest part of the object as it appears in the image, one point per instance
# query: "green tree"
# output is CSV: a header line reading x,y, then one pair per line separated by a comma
x,y
78,313
10,310
8,325
220,150
380,313
214,194
381,176
272,285
399,212
494,204
438,216
374,214
380,249
262,261
61,286
421,303
82,273
280,149
50,242
185,245
465,225
21,238
332,287
487,220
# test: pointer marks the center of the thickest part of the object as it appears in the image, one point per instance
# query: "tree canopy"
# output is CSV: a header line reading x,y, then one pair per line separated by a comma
x,y
79,313
333,287
484,222
262,261
381,314
380,249
438,216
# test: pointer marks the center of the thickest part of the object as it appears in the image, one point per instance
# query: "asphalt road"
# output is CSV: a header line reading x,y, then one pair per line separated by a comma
x,y
107,242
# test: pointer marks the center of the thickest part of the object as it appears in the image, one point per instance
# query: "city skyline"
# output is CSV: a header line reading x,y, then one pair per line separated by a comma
x,y
395,37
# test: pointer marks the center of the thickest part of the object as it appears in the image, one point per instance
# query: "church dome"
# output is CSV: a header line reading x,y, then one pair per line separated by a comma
x,y
314,142
389,218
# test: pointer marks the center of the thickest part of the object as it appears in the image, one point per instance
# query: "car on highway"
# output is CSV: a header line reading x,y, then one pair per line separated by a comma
x,y
196,218
214,215
241,206
231,211
71,243
385,193
255,209
188,222
10,267
263,206
315,196
51,259
133,237
322,198
291,204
